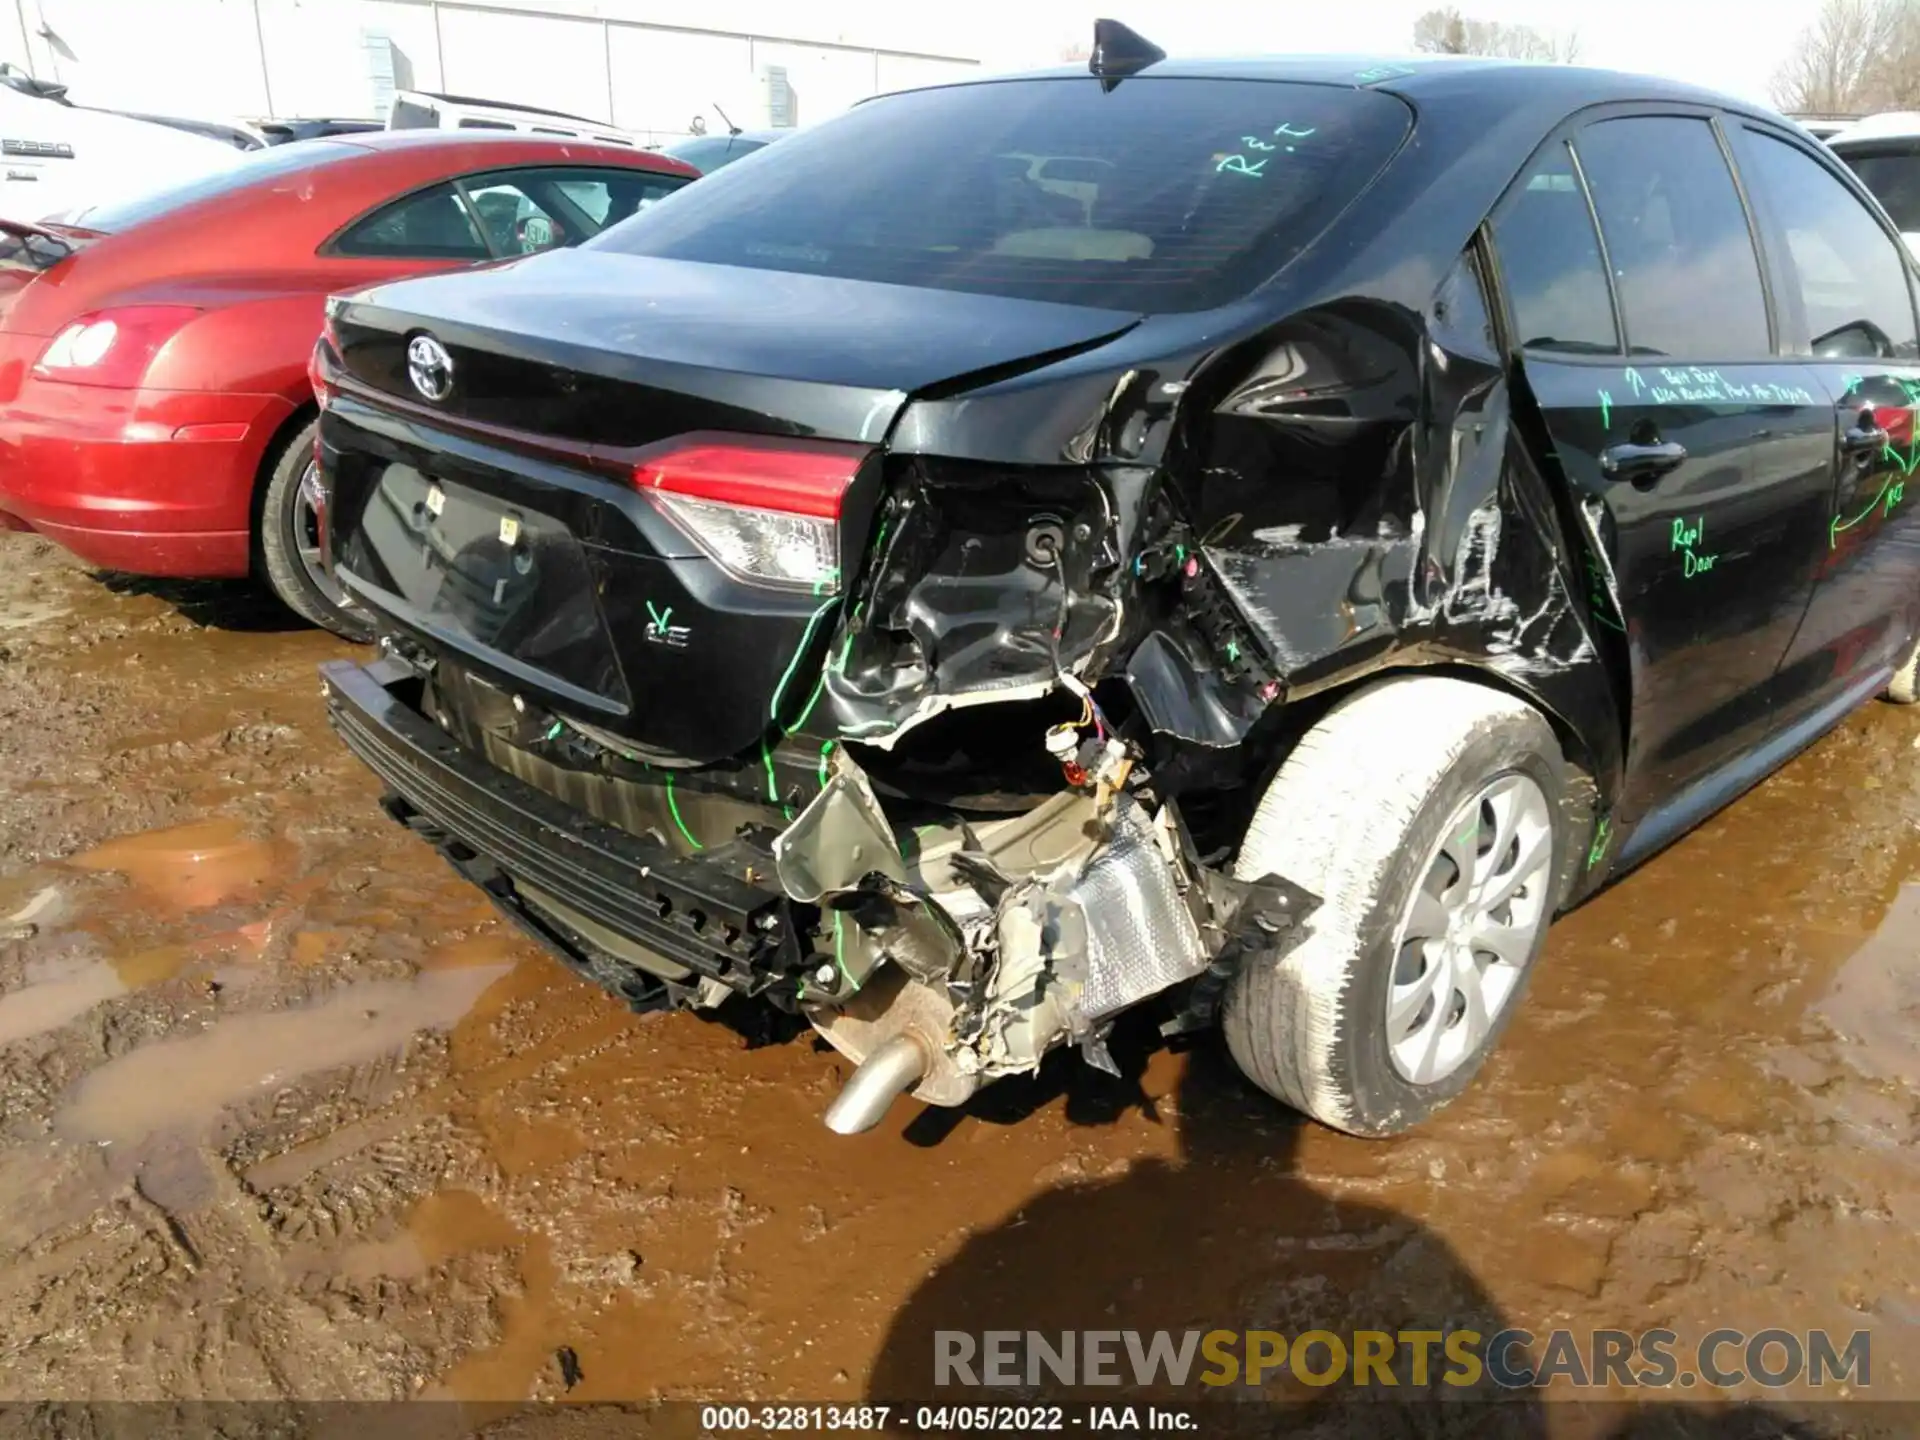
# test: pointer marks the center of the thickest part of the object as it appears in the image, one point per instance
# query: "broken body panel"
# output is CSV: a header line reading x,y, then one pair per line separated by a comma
x,y
1202,525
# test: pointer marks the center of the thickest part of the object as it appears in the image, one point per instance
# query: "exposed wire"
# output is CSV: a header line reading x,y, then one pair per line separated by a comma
x,y
673,809
1089,708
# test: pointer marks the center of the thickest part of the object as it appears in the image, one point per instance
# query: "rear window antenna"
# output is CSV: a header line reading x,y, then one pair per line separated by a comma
x,y
1119,51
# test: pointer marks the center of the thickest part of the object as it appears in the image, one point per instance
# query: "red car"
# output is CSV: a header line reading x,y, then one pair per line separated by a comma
x,y
155,412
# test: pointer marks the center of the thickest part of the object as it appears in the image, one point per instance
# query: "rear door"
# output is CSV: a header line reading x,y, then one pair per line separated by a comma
x,y
1847,305
1699,458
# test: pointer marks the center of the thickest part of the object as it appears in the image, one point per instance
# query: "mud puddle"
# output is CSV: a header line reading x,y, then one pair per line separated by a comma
x,y
285,1110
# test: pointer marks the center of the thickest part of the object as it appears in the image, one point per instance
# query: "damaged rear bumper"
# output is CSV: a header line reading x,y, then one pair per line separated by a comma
x,y
996,942
648,923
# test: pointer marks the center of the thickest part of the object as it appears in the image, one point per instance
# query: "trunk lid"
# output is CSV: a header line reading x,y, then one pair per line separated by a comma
x,y
635,492
601,348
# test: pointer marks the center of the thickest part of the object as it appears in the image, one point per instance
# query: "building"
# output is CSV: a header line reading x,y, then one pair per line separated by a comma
x,y
658,68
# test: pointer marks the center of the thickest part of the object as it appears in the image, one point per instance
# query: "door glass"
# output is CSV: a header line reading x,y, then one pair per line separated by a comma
x,y
533,210
431,225
1677,236
1550,261
1851,275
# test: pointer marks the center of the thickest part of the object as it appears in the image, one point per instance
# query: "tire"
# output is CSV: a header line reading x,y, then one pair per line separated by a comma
x,y
1904,688
1361,812
295,577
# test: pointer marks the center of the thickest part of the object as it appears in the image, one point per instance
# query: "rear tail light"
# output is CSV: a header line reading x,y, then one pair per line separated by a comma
x,y
320,362
766,512
112,347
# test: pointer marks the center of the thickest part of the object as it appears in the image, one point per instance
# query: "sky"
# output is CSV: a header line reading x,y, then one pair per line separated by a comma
x,y
1722,44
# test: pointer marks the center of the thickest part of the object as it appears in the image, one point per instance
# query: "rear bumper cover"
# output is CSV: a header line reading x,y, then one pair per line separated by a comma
x,y
553,868
153,482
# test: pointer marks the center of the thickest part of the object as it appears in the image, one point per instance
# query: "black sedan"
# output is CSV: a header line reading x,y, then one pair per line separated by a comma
x,y
1262,535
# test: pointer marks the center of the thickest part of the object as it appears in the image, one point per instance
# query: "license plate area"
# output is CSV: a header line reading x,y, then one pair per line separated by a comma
x,y
503,581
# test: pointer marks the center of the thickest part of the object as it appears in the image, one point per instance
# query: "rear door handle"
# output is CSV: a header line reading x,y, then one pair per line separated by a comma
x,y
1864,438
1642,464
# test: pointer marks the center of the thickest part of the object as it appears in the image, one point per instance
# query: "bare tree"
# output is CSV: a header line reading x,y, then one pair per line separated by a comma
x,y
1447,32
1441,32
1857,55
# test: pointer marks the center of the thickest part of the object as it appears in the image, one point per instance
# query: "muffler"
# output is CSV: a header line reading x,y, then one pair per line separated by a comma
x,y
883,1077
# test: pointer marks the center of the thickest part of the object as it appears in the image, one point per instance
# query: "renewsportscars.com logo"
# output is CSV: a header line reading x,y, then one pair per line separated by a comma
x,y
1508,1359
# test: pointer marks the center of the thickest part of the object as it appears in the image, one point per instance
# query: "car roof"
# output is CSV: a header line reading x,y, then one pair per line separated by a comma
x,y
1430,77
1890,125
506,141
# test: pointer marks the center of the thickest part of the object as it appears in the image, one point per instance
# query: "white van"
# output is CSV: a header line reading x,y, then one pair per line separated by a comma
x,y
424,110
55,156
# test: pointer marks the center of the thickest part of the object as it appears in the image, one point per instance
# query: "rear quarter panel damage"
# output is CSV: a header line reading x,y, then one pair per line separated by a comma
x,y
1359,488
1372,492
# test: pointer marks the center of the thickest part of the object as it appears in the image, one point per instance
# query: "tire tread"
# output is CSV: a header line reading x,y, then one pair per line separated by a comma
x,y
1332,820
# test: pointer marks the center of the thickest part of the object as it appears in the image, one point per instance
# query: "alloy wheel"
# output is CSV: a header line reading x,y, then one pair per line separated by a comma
x,y
1469,929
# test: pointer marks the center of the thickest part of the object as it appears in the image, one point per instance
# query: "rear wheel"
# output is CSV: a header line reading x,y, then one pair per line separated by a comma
x,y
289,542
1427,815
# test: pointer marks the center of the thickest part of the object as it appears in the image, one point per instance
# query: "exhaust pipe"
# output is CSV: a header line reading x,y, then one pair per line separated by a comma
x,y
883,1077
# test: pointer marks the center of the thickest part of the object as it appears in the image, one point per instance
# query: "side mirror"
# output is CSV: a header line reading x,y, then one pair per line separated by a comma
x,y
1856,340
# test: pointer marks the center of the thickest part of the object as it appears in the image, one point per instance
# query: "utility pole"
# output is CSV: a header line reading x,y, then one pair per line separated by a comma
x,y
26,42
260,40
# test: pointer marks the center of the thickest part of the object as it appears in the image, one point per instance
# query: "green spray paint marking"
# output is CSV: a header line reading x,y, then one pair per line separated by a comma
x,y
1472,832
1906,462
1606,410
659,618
1601,839
823,762
1891,494
673,809
1685,538
1634,382
806,639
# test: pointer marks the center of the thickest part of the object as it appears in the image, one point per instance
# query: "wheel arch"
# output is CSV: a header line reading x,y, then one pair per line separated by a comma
x,y
1589,748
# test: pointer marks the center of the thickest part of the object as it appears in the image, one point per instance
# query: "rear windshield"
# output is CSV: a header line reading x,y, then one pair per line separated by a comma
x,y
1894,180
1159,195
249,169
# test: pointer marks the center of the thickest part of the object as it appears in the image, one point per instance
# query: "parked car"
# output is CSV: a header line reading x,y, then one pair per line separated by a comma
x,y
424,110
707,153
232,133
1277,582
285,132
1823,127
1884,151
55,155
155,411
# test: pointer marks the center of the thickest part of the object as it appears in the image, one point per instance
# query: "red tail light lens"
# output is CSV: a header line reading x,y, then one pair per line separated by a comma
x,y
320,361
112,347
766,512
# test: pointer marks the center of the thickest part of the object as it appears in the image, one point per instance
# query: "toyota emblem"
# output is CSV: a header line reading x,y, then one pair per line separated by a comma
x,y
430,367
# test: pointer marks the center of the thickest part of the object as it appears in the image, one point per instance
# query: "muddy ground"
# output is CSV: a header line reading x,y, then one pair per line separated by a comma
x,y
285,1110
